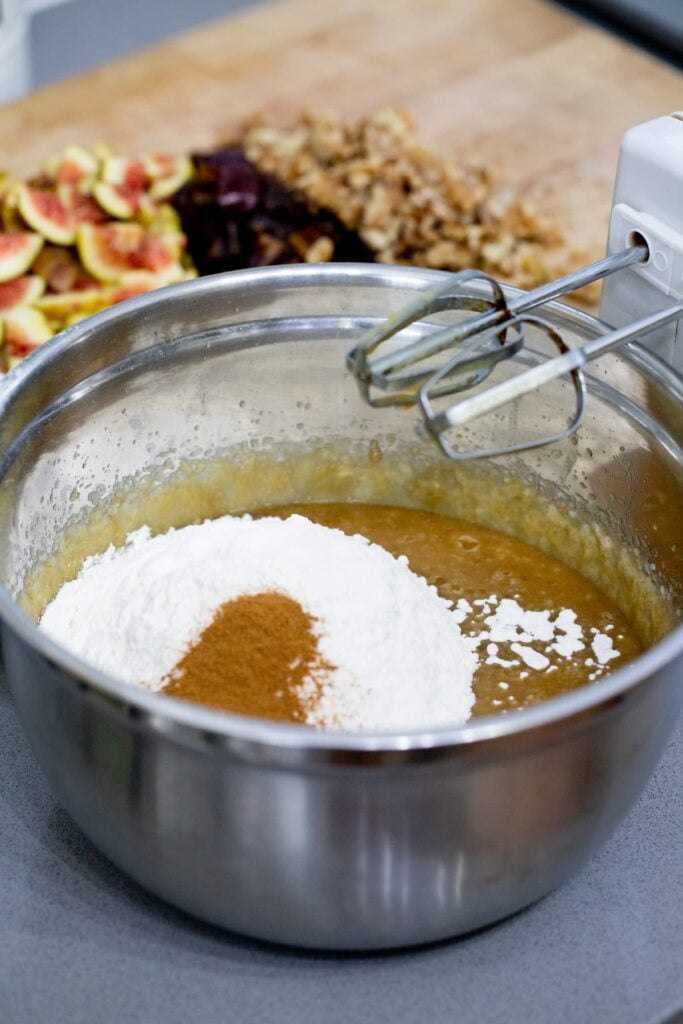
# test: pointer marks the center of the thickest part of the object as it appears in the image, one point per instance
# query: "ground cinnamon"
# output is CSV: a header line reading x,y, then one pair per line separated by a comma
x,y
251,659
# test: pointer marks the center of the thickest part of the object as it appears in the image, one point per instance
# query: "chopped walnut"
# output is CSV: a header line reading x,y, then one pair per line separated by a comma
x,y
321,251
407,204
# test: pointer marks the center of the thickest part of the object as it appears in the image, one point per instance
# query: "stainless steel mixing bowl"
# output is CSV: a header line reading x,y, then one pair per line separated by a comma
x,y
282,832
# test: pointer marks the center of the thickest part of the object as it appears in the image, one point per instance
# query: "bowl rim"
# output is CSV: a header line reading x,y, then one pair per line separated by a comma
x,y
166,713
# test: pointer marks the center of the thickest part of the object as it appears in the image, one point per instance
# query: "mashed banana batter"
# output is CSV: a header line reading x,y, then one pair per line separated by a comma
x,y
469,563
481,537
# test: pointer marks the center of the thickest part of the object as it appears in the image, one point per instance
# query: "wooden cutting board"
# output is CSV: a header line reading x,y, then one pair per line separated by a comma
x,y
543,95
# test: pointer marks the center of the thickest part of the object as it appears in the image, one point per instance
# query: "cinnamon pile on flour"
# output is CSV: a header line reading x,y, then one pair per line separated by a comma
x,y
254,658
282,618
287,619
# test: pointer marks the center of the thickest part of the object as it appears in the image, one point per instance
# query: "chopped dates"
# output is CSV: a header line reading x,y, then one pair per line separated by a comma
x,y
235,215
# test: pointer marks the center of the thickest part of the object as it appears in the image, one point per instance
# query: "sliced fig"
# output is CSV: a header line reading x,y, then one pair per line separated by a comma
x,y
116,200
82,302
17,252
125,172
72,166
136,282
25,330
161,217
139,281
22,291
84,209
162,254
121,292
121,187
61,270
112,250
46,213
178,172
160,165
107,252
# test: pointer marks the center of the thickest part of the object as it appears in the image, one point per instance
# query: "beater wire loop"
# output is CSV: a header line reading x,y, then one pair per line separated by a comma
x,y
439,424
479,344
383,373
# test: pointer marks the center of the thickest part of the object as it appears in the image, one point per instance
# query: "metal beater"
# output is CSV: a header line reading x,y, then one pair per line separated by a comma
x,y
645,249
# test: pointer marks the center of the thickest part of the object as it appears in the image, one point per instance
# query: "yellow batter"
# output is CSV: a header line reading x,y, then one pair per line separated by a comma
x,y
458,530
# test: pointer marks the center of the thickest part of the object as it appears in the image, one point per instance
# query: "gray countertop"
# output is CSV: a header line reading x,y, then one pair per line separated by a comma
x,y
81,944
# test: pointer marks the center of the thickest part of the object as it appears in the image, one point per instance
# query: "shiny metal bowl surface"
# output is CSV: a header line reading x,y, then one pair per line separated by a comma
x,y
282,832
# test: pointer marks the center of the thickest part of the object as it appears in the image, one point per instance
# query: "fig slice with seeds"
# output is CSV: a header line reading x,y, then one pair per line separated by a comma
x,y
18,250
112,250
46,213
116,200
121,170
160,165
121,187
179,171
73,165
81,205
25,330
21,291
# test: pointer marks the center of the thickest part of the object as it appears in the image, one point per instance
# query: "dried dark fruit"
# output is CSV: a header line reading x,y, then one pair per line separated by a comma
x,y
235,216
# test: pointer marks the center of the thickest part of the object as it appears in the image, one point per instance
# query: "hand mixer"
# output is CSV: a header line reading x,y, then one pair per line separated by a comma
x,y
642,296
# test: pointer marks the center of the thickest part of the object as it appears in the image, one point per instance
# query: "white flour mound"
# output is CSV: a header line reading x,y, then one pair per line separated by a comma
x,y
401,661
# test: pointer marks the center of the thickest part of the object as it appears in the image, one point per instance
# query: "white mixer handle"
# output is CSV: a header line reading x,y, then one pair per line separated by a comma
x,y
648,204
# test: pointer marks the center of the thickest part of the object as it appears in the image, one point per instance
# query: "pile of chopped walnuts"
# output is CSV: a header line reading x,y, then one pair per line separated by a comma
x,y
407,204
